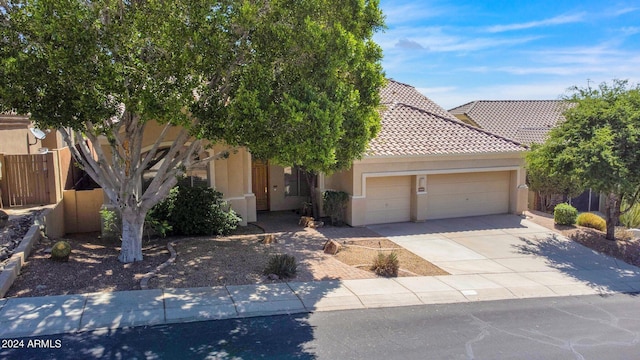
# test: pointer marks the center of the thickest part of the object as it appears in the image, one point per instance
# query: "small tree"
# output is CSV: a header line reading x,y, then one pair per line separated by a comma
x,y
544,180
599,143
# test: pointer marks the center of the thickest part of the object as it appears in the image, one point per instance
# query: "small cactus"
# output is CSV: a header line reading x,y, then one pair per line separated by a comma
x,y
61,251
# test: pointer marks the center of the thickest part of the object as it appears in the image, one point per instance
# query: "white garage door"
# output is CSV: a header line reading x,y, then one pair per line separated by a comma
x,y
388,199
470,194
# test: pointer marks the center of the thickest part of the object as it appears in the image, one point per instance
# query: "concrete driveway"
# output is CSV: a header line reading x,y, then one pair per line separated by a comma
x,y
507,251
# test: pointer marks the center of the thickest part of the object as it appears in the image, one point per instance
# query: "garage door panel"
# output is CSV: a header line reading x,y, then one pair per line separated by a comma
x,y
388,199
472,194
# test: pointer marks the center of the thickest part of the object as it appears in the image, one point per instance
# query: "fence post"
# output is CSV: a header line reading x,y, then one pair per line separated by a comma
x,y
53,177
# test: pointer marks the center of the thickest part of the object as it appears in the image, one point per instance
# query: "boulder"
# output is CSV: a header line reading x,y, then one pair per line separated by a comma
x,y
332,247
4,219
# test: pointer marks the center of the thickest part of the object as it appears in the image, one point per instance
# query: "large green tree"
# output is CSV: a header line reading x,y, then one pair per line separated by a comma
x,y
599,143
294,81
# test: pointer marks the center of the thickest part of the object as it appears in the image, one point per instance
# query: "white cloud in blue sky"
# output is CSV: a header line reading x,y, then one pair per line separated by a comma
x,y
456,52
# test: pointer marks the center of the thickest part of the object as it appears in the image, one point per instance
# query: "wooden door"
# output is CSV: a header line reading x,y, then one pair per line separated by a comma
x,y
260,184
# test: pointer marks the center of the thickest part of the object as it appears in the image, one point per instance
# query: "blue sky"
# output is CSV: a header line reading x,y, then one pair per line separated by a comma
x,y
459,51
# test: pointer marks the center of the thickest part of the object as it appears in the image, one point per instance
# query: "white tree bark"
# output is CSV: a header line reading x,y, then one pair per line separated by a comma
x,y
121,177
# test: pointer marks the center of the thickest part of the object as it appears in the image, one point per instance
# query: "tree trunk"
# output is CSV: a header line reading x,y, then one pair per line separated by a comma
x,y
311,181
132,228
612,210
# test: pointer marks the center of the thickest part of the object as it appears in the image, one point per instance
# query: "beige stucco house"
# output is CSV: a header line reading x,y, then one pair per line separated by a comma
x,y
424,164
527,122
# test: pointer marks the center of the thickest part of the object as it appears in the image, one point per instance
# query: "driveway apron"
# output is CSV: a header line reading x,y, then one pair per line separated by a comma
x,y
511,252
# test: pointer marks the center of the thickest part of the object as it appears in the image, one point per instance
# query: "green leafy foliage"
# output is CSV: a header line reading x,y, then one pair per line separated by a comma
x,y
592,221
283,265
334,203
565,214
111,224
599,145
61,251
386,264
547,181
296,82
631,218
195,211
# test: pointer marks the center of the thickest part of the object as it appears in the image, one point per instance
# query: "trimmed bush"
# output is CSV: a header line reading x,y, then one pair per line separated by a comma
x,y
592,221
386,265
194,211
565,214
61,251
334,204
283,265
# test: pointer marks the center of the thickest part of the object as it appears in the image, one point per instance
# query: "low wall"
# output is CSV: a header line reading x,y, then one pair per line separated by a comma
x,y
82,210
54,221
17,260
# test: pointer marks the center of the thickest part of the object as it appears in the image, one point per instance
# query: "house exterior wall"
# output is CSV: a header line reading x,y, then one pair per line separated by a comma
x,y
15,137
230,176
278,200
419,168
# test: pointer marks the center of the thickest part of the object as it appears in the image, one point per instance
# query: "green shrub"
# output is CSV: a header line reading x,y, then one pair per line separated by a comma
x,y
61,251
631,218
334,204
195,211
386,265
111,224
592,221
283,265
565,214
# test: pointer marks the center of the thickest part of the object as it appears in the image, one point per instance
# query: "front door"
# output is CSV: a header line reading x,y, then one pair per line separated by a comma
x,y
260,185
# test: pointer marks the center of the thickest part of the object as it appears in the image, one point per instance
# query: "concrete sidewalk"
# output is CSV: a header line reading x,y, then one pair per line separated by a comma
x,y
489,258
72,313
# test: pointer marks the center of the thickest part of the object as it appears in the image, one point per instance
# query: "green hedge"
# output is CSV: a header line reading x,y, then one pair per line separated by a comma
x,y
565,214
195,211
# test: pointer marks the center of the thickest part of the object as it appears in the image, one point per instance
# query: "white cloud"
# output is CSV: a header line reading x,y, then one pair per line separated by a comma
x,y
622,11
630,30
558,20
415,11
439,39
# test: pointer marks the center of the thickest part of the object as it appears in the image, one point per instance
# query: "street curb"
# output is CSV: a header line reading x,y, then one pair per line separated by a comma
x,y
14,265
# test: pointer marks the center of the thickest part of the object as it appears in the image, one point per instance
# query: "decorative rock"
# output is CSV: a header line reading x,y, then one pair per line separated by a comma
x,y
4,219
41,287
332,247
306,221
47,250
269,239
273,277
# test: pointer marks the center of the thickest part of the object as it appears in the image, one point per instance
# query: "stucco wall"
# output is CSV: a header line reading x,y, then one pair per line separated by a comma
x,y
354,180
278,201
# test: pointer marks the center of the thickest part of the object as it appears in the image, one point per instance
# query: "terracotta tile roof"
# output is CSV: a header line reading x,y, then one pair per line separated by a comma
x,y
397,92
424,128
522,120
530,136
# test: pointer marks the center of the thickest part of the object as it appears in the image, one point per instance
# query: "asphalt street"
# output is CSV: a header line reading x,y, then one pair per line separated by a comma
x,y
584,327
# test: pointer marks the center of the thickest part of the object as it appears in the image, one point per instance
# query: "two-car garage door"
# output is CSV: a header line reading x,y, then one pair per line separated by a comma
x,y
470,194
448,196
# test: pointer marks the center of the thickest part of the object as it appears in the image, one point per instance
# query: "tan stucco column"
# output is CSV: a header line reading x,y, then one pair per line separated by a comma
x,y
356,211
419,198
